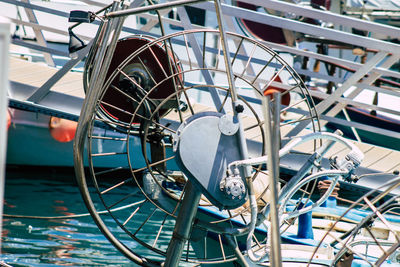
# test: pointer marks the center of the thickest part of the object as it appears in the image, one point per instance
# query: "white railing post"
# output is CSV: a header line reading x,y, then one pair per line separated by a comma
x,y
39,34
4,48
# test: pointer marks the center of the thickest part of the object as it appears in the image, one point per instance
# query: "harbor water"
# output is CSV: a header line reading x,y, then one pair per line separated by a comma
x,y
51,240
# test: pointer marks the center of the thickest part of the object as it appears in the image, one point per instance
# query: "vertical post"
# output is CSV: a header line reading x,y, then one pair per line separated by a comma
x,y
38,34
4,47
237,108
273,142
183,225
107,42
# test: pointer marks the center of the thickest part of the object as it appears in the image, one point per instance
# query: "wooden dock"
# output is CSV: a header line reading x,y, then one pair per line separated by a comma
x,y
35,74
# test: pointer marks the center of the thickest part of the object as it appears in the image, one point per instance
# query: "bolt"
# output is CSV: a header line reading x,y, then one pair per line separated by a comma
x,y
239,108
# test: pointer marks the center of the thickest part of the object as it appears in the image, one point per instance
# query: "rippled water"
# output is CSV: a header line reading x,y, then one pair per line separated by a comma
x,y
51,242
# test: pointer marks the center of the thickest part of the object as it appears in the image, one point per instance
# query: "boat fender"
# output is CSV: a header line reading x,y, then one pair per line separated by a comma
x,y
8,119
62,130
285,100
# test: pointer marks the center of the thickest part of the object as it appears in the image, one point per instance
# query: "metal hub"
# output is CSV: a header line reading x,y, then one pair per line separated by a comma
x,y
234,187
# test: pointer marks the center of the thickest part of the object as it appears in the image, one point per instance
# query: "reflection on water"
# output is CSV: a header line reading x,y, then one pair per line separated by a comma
x,y
51,242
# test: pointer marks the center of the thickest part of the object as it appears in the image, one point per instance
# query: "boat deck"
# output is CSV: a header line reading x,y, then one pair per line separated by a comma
x,y
36,74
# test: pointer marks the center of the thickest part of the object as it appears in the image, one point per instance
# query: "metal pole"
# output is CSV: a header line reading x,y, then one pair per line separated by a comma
x,y
183,225
225,50
4,47
102,61
237,108
137,10
273,171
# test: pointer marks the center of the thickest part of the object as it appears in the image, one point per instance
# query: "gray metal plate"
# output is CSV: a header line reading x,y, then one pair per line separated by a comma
x,y
205,153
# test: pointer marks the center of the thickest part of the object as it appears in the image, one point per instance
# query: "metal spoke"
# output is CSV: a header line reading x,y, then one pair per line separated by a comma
x,y
188,102
204,50
358,254
205,246
179,201
113,122
181,82
108,138
125,94
237,51
295,121
137,115
117,108
273,78
108,171
391,250
187,52
249,59
134,212
382,218
153,164
224,101
158,61
147,70
187,250
145,221
122,199
257,242
108,154
171,70
221,246
262,70
159,230
375,240
261,123
244,220
218,53
164,127
131,79
344,247
294,104
116,185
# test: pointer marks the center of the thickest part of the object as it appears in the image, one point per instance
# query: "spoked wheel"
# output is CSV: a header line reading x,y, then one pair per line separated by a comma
x,y
163,118
366,232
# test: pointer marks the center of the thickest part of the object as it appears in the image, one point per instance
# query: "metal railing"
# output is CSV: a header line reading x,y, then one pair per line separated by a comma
x,y
360,77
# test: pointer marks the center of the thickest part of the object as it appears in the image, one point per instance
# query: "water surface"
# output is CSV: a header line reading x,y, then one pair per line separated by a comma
x,y
51,242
